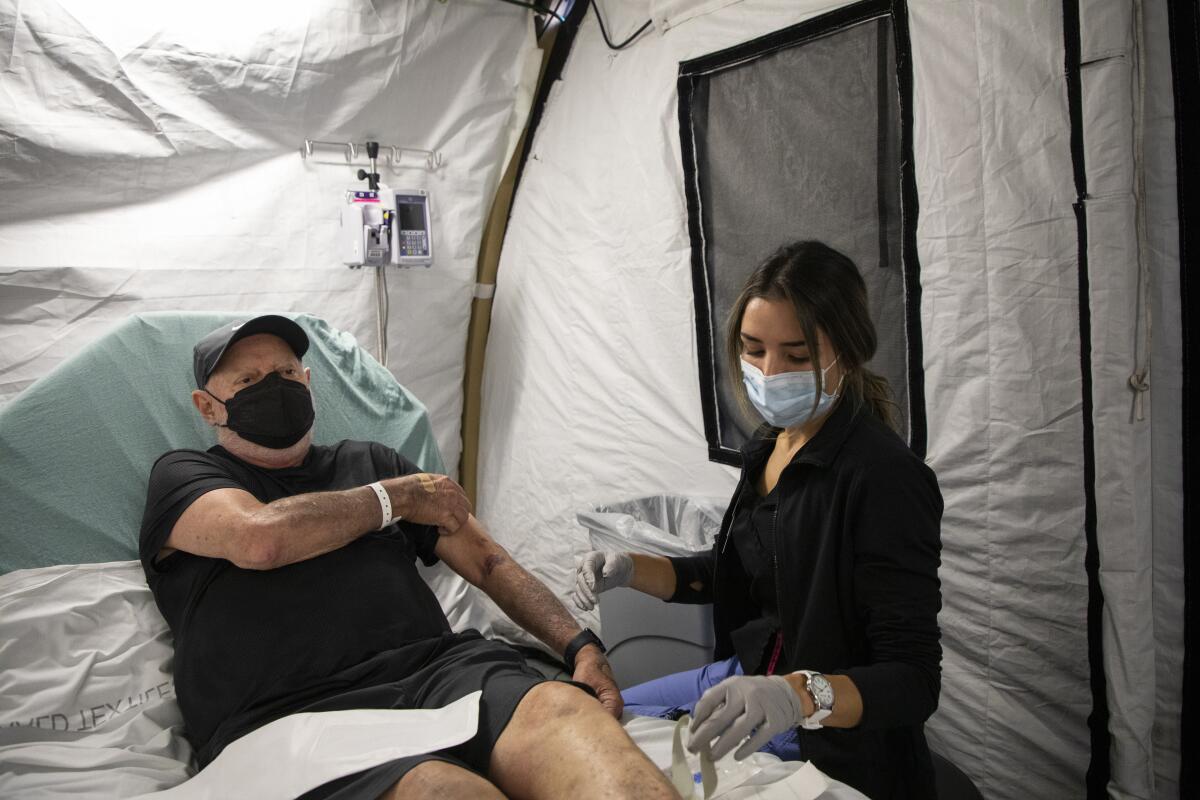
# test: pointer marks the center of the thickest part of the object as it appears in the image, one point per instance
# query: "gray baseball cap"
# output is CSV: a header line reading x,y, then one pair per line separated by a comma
x,y
208,351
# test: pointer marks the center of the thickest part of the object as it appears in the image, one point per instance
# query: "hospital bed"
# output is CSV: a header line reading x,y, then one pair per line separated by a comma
x,y
87,704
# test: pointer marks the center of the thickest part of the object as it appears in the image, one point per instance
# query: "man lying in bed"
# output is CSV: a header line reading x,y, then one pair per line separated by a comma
x,y
285,594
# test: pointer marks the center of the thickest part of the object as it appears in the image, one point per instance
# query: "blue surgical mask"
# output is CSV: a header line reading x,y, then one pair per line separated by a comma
x,y
786,399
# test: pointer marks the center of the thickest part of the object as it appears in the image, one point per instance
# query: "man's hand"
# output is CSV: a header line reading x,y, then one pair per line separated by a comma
x,y
430,500
756,706
593,669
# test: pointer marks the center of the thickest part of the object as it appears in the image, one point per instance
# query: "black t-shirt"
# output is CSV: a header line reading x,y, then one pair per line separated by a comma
x,y
253,643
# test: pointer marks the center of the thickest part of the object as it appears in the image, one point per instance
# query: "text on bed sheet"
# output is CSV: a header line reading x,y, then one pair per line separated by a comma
x,y
92,717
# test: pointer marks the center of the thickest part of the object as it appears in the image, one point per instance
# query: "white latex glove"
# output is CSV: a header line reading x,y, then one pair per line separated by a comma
x,y
599,571
756,706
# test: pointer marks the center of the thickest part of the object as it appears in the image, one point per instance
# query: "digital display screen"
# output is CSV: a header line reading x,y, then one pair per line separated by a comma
x,y
412,216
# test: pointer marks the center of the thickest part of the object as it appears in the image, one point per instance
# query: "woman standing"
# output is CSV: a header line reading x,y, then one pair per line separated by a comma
x,y
823,577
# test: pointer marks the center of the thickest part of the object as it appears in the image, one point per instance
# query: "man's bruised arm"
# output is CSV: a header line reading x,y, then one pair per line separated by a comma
x,y
472,553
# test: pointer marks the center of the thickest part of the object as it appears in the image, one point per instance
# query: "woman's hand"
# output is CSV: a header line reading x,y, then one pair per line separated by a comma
x,y
599,571
756,706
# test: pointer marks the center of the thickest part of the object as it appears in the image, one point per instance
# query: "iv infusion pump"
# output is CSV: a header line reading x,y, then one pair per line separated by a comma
x,y
412,239
385,226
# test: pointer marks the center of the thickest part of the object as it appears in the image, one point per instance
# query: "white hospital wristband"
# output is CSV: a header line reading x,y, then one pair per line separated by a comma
x,y
385,505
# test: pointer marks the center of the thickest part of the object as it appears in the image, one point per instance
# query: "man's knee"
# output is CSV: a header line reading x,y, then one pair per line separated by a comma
x,y
561,740
555,706
556,700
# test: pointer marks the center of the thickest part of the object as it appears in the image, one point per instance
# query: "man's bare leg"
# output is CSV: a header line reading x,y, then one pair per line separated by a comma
x,y
441,780
561,743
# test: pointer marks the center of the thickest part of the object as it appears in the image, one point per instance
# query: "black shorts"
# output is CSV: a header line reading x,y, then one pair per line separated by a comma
x,y
460,664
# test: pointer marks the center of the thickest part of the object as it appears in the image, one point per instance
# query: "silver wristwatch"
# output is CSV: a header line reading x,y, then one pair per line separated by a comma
x,y
821,691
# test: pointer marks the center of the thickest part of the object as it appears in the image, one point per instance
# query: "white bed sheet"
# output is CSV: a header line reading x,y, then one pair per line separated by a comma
x,y
87,700
88,709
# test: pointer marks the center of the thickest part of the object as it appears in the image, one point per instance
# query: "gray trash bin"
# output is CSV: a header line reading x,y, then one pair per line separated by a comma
x,y
647,638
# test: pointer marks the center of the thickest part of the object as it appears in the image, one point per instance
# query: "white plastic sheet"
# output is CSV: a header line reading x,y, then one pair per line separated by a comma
x,y
317,748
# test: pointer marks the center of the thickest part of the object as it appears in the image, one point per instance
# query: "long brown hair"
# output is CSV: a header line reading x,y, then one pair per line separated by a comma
x,y
827,292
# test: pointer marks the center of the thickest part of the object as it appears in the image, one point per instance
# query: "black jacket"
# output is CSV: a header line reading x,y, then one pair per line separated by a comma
x,y
857,550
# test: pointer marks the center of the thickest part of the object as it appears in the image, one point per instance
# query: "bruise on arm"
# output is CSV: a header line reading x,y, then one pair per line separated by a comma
x,y
472,553
490,563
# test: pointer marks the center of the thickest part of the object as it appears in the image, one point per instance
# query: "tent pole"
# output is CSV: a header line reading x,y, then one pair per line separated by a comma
x,y
555,45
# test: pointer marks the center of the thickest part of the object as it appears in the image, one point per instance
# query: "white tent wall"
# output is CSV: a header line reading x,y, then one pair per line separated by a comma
x,y
999,252
1166,400
150,159
1162,222
1129,156
591,393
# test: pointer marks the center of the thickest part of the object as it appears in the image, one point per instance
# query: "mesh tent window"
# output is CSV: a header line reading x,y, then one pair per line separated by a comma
x,y
805,134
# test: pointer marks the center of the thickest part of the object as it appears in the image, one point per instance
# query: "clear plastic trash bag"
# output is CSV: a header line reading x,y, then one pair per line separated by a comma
x,y
665,525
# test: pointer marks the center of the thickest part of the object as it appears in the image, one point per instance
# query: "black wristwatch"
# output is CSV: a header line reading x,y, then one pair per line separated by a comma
x,y
581,640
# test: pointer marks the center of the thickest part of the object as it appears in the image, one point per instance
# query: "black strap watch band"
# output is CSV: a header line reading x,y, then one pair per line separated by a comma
x,y
581,640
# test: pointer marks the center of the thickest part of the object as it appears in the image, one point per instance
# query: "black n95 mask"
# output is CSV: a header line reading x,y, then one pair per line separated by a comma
x,y
275,412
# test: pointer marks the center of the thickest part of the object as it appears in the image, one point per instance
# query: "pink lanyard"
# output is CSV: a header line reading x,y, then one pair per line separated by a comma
x,y
775,653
